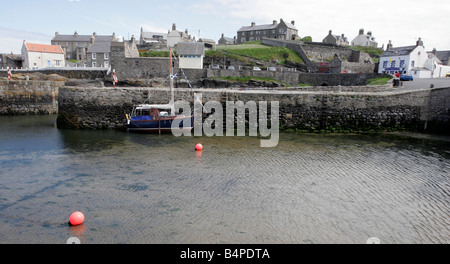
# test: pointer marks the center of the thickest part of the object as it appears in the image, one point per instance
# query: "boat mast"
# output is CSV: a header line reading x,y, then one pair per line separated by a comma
x,y
172,100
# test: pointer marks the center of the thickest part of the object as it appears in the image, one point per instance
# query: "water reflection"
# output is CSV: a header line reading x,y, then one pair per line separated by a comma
x,y
138,188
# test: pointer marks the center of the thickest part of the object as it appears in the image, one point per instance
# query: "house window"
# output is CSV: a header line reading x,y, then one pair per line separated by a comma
x,y
106,64
94,64
106,56
385,64
392,64
94,56
402,64
57,63
412,63
243,40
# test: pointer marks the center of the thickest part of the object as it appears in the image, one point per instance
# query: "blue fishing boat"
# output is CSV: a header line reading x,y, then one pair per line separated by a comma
x,y
159,117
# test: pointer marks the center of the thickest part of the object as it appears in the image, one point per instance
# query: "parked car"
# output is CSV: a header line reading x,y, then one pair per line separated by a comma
x,y
271,69
448,74
231,67
256,68
215,66
406,77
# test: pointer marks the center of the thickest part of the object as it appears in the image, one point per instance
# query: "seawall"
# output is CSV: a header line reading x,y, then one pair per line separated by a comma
x,y
302,110
29,97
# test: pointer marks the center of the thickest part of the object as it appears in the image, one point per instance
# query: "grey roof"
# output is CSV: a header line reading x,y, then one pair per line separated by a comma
x,y
191,48
398,51
266,27
81,38
69,38
153,35
100,47
443,55
228,39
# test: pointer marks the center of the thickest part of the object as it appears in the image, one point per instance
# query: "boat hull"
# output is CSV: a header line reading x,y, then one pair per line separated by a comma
x,y
163,125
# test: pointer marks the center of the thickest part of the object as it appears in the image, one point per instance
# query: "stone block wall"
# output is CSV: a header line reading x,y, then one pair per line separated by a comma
x,y
97,108
29,97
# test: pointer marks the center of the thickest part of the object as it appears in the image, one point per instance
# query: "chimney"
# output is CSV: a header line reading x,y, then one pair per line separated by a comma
x,y
419,42
330,32
56,33
75,34
274,22
92,39
361,31
434,51
94,34
389,45
174,27
293,22
114,36
253,24
133,39
369,33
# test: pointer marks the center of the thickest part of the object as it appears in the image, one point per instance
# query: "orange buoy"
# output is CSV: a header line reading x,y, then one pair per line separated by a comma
x,y
198,147
76,218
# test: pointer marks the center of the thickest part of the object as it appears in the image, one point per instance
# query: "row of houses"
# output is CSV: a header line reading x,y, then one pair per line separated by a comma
x,y
94,50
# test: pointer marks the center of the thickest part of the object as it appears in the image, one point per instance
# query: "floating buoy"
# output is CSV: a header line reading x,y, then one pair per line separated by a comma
x,y
76,218
198,147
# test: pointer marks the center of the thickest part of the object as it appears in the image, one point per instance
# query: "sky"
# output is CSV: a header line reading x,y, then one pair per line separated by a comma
x,y
401,21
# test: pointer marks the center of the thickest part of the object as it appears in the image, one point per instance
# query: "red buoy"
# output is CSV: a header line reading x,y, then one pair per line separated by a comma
x,y
198,147
76,218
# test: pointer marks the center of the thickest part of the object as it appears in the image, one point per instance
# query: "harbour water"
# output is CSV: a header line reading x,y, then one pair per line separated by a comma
x,y
140,188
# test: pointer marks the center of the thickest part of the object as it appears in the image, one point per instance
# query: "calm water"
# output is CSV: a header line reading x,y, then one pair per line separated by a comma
x,y
137,188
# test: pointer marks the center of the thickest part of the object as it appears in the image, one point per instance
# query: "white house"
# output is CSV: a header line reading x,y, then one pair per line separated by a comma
x,y
436,65
408,59
175,36
364,40
191,54
41,56
414,60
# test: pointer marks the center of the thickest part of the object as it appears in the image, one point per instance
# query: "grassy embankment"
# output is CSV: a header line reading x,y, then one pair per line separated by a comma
x,y
248,53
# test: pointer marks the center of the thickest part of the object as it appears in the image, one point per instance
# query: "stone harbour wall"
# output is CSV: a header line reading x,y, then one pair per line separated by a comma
x,y
421,110
29,97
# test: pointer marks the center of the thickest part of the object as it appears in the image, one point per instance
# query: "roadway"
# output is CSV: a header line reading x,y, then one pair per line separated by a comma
x,y
423,83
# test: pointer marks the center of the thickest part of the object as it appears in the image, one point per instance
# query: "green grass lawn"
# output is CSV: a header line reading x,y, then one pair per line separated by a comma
x,y
379,81
255,50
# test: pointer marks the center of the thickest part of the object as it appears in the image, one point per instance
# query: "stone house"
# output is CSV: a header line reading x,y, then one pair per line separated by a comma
x,y
339,40
364,40
75,46
226,40
282,30
190,55
37,56
98,53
